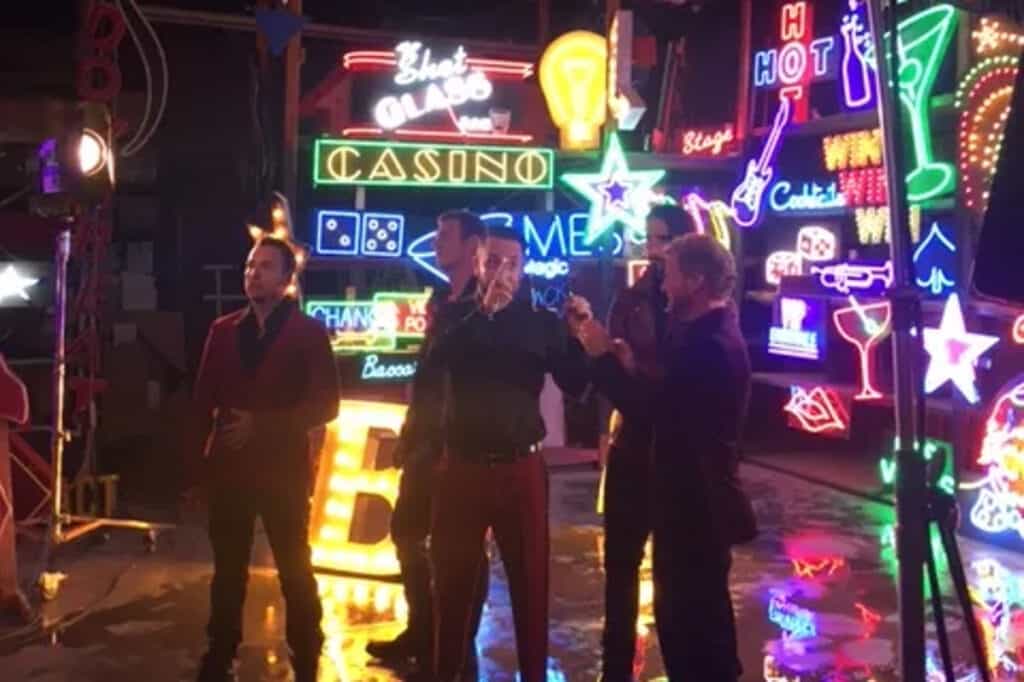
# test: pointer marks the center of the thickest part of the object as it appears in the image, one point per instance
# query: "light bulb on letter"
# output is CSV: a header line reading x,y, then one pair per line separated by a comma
x,y
573,74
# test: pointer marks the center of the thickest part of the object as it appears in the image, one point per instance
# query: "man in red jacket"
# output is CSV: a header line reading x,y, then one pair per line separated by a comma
x,y
267,377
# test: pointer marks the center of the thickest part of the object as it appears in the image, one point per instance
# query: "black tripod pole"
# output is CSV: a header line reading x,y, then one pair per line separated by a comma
x,y
911,494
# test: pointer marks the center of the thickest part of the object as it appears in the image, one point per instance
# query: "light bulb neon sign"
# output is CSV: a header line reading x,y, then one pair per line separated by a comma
x,y
573,78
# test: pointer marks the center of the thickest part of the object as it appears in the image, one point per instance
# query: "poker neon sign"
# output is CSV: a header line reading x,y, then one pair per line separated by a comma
x,y
401,164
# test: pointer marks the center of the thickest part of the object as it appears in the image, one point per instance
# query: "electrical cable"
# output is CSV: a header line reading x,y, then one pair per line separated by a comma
x,y
125,151
165,80
14,197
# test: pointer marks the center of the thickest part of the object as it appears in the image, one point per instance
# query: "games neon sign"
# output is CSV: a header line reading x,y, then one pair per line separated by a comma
x,y
400,164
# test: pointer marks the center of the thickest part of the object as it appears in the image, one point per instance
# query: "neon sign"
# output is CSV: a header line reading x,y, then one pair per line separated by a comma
x,y
991,37
709,142
377,369
635,269
983,98
359,233
999,506
746,199
953,352
887,466
815,243
934,252
873,225
14,286
1018,330
819,410
799,61
718,213
401,164
859,80
392,321
782,198
814,568
455,82
553,240
864,326
795,622
859,149
847,277
625,104
281,228
616,193
781,264
799,332
355,463
573,77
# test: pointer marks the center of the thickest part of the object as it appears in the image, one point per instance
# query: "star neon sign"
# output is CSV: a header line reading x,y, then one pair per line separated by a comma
x,y
616,193
281,228
954,352
15,285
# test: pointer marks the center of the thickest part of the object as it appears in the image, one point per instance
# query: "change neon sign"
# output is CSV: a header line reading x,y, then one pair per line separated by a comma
x,y
400,164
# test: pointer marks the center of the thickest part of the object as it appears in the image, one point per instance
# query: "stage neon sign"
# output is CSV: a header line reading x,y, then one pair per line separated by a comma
x,y
800,61
400,164
709,142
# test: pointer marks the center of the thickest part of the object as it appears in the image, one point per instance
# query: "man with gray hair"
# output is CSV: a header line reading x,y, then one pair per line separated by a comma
x,y
698,408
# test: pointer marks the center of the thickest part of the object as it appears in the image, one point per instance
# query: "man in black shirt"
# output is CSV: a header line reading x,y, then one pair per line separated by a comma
x,y
459,236
497,352
700,510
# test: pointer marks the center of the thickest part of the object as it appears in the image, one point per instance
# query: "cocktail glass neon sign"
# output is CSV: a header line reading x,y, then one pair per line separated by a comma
x,y
864,326
400,164
573,77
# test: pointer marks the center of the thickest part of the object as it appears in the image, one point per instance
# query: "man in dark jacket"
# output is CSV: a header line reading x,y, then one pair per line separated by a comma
x,y
497,354
460,234
698,409
266,379
638,317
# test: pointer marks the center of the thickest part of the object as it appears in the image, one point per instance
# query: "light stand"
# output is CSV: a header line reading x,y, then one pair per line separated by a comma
x,y
911,489
65,527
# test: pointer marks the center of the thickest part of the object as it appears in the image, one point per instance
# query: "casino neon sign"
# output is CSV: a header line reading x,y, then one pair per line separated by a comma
x,y
400,164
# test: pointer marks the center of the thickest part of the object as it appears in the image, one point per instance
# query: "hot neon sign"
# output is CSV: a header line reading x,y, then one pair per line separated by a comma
x,y
800,61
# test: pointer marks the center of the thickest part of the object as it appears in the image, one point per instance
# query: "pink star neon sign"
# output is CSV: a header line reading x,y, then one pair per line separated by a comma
x,y
954,352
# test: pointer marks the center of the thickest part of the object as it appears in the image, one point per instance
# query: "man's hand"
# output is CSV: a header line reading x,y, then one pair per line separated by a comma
x,y
577,311
624,353
496,297
595,338
236,429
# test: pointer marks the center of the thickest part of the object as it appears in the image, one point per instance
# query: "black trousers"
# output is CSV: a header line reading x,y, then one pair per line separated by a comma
x,y
627,525
283,505
692,605
410,528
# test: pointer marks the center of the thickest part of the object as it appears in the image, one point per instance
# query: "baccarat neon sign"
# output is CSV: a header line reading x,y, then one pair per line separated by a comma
x,y
452,87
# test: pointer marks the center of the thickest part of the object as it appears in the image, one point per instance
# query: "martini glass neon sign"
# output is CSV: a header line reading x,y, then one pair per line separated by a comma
x,y
864,326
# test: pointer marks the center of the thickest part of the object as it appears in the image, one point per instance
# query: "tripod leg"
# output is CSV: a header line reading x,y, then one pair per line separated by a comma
x,y
956,572
940,616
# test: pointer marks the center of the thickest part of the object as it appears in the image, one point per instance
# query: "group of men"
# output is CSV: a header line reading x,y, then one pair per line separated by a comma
x,y
673,364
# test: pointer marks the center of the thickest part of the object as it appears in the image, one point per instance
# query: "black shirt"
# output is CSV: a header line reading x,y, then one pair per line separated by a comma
x,y
496,366
252,346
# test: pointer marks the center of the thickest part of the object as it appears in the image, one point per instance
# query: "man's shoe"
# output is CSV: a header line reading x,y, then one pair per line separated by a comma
x,y
398,650
216,668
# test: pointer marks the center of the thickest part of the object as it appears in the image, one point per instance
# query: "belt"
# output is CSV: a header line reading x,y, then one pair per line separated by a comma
x,y
499,456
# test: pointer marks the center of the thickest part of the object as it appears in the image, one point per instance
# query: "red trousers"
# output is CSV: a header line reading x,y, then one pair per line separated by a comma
x,y
511,499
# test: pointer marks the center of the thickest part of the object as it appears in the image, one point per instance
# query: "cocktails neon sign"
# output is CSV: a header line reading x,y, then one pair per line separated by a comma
x,y
784,198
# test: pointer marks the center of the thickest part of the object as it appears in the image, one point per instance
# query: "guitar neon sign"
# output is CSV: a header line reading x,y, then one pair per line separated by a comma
x,y
747,198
